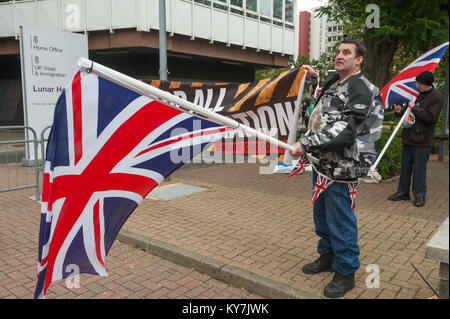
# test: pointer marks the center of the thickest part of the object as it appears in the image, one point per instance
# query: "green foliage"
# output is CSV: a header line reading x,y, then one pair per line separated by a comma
x,y
268,73
324,63
436,143
390,163
301,60
407,29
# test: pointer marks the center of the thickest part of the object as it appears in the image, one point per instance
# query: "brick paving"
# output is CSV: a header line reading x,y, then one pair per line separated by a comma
x,y
260,223
263,224
133,273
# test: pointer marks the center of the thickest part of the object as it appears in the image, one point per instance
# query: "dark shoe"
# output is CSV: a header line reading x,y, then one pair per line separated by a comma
x,y
419,202
339,285
323,263
398,196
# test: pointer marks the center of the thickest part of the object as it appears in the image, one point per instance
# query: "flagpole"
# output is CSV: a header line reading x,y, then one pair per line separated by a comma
x,y
152,92
287,158
407,112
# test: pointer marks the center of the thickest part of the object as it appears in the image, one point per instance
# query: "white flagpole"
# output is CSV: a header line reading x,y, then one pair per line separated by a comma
x,y
287,158
152,92
407,112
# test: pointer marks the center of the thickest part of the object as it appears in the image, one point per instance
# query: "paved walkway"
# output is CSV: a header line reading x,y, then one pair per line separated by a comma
x,y
133,273
255,230
263,224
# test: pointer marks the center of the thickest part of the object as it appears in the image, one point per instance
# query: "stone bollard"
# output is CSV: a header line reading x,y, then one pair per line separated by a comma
x,y
437,249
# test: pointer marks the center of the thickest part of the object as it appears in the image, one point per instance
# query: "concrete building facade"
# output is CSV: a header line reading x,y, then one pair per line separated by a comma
x,y
318,35
207,40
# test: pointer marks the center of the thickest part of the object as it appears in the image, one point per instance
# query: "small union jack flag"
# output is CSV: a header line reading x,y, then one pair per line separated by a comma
x,y
402,88
352,189
107,149
302,163
320,186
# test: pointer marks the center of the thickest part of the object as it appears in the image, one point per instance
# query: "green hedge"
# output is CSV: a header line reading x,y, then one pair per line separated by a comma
x,y
390,163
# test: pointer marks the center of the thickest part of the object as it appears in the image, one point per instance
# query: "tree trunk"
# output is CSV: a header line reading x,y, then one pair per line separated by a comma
x,y
380,54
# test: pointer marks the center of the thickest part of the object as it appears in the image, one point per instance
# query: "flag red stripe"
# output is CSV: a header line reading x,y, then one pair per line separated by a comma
x,y
45,187
96,219
77,118
404,88
165,143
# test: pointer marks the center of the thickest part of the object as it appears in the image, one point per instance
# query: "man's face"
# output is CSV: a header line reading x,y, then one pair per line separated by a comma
x,y
346,61
422,87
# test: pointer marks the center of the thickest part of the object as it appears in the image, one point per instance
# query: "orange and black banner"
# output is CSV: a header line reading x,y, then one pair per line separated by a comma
x,y
264,105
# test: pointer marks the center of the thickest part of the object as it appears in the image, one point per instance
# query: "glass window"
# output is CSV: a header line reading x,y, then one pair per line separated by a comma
x,y
288,11
289,26
220,6
278,9
205,2
252,5
237,3
264,7
278,23
236,11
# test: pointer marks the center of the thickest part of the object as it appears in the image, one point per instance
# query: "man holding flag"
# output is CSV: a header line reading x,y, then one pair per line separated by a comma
x,y
417,139
343,133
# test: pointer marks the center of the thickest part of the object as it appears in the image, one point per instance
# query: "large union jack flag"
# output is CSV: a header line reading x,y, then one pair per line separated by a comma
x,y
402,87
108,148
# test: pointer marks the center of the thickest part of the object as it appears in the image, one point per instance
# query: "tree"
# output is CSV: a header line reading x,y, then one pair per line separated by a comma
x,y
301,60
406,27
268,73
324,63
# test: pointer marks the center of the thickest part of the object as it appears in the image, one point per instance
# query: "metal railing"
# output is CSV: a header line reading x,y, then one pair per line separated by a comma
x,y
13,174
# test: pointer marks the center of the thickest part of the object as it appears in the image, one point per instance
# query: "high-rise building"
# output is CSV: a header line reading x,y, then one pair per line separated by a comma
x,y
335,34
323,33
318,35
304,33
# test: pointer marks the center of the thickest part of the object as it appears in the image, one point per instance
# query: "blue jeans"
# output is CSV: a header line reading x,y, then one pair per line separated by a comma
x,y
337,227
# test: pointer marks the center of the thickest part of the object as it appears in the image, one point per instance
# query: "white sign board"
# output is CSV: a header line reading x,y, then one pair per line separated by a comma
x,y
49,63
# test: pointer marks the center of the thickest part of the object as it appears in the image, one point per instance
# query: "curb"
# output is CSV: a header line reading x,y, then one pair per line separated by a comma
x,y
232,275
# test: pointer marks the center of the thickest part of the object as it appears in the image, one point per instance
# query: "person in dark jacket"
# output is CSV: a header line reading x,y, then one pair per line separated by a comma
x,y
344,130
417,139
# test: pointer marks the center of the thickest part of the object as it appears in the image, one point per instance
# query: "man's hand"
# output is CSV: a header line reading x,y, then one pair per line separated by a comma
x,y
411,104
310,70
298,150
397,108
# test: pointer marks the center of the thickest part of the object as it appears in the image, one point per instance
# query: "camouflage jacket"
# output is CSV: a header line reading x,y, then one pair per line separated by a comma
x,y
350,128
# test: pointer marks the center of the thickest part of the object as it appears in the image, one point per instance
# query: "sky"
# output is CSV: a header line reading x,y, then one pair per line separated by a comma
x,y
303,5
